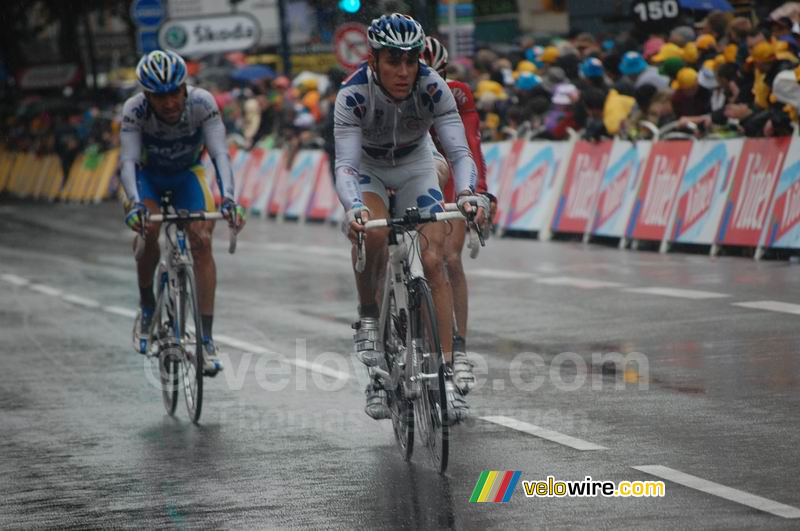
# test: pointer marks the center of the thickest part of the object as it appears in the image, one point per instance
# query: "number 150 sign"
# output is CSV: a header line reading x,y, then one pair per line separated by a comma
x,y
655,10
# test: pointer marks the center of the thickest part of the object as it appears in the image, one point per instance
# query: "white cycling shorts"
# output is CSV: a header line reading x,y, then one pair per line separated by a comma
x,y
413,179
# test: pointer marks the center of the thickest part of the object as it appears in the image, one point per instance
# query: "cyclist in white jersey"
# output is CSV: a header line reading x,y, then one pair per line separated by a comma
x,y
163,133
381,120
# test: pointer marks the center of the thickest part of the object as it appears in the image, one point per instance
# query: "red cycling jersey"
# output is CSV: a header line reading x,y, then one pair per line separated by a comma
x,y
472,130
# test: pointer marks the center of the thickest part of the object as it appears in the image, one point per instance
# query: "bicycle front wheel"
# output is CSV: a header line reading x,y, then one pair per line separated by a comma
x,y
430,410
189,332
168,348
401,408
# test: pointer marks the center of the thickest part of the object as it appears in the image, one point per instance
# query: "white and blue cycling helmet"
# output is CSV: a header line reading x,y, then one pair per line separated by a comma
x,y
396,31
161,71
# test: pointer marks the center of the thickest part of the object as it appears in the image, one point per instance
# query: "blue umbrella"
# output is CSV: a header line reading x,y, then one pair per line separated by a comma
x,y
252,73
706,5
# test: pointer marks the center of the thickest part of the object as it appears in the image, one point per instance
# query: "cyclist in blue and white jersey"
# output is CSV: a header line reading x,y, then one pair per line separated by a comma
x,y
164,130
381,120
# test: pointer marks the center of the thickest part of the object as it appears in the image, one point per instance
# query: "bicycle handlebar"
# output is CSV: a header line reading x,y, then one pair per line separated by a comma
x,y
411,220
185,216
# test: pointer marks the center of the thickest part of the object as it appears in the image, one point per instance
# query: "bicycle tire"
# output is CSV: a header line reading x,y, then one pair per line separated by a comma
x,y
168,348
431,414
401,408
191,344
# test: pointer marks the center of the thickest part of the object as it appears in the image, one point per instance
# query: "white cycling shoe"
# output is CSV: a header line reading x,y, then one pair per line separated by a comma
x,y
211,362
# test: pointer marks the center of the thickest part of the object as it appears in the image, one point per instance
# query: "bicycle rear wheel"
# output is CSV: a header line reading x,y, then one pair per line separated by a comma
x,y
190,333
401,408
430,410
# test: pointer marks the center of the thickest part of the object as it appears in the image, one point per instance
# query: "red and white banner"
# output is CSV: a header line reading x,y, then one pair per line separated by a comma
x,y
292,188
323,200
247,175
618,190
273,162
579,196
531,184
659,187
498,167
753,185
704,190
783,228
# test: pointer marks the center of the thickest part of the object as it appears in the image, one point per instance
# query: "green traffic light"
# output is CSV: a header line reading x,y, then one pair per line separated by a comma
x,y
350,6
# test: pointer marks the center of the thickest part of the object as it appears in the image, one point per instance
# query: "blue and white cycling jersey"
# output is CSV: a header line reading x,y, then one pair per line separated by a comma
x,y
373,131
162,149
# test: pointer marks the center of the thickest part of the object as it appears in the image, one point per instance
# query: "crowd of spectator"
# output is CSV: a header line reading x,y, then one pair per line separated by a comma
x,y
723,75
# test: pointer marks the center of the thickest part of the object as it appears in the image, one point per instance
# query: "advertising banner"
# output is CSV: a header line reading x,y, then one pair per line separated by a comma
x,y
704,190
496,156
532,185
783,230
618,190
247,178
754,181
659,187
323,201
271,164
292,188
585,172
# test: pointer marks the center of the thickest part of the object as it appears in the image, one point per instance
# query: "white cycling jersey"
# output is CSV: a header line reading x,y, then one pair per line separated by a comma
x,y
163,149
369,124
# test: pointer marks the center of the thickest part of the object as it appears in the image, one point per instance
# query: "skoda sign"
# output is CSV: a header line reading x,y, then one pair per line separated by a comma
x,y
202,35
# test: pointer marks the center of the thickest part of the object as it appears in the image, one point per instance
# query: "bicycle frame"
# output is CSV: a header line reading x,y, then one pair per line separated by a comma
x,y
399,271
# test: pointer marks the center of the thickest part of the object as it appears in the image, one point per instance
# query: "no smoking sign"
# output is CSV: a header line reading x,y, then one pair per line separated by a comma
x,y
351,44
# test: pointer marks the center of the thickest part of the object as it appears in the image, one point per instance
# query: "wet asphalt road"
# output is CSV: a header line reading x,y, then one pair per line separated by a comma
x,y
86,444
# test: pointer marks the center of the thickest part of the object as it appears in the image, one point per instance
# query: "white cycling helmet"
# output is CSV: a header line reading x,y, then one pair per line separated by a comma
x,y
435,54
396,31
161,71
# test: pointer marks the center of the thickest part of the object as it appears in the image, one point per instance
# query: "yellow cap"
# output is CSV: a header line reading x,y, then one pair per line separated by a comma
x,y
667,51
549,55
762,53
309,84
706,41
527,66
690,53
783,53
686,79
487,86
710,64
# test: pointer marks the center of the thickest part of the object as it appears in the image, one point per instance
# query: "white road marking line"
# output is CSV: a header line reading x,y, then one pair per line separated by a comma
x,y
577,282
246,346
46,290
80,301
544,433
116,310
693,294
14,279
771,306
319,368
127,312
499,273
721,491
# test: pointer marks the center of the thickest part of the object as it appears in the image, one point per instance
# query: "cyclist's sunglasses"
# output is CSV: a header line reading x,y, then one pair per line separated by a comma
x,y
410,56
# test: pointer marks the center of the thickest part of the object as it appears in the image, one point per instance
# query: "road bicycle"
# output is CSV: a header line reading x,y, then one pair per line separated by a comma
x,y
414,372
176,330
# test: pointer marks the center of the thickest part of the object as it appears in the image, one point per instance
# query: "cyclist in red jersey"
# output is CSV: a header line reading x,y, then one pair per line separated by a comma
x,y
435,55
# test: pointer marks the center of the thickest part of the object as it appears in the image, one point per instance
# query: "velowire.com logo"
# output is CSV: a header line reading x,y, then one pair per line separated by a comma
x,y
494,486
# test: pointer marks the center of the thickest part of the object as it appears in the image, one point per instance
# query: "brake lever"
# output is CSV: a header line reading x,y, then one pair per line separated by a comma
x,y
360,258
